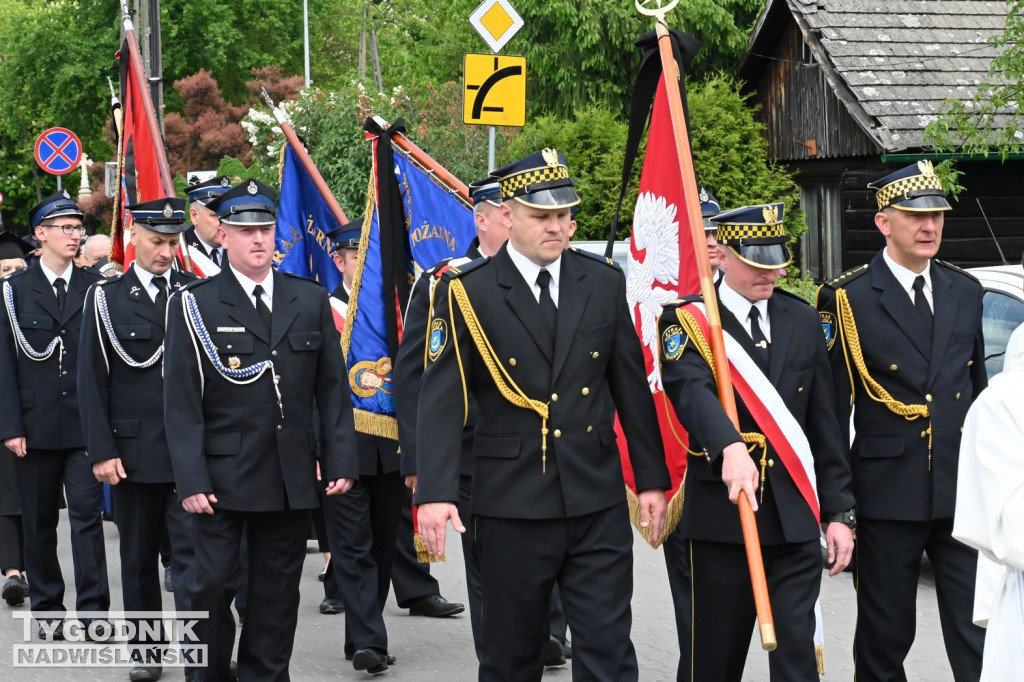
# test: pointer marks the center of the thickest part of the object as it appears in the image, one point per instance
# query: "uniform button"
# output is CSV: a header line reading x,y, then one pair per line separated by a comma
x,y
115,431
771,463
595,355
512,361
280,427
65,373
928,398
554,397
132,334
229,345
558,433
958,396
277,377
970,362
307,343
589,429
585,391
924,434
63,332
893,367
64,394
273,352
800,389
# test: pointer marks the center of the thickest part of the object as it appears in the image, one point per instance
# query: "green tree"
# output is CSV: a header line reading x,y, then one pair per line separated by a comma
x,y
990,122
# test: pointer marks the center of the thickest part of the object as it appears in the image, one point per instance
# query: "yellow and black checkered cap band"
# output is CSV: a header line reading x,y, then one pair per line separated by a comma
x,y
534,180
745,234
909,188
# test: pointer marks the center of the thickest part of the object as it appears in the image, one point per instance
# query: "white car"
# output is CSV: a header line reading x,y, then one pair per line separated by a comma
x,y
1003,309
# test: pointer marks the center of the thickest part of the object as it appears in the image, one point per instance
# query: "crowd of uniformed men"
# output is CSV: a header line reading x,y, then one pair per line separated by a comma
x,y
218,410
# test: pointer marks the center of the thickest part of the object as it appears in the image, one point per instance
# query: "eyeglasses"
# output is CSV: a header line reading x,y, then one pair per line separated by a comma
x,y
69,229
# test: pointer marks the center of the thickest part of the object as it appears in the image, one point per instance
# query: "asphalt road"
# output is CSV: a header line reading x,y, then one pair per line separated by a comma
x,y
441,650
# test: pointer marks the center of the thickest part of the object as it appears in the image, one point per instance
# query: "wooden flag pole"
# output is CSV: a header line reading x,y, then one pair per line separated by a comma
x,y
307,163
707,288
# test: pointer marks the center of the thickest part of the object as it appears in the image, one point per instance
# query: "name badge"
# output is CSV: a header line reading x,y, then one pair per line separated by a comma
x,y
231,330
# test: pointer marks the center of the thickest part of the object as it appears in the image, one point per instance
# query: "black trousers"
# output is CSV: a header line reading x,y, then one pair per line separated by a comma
x,y
724,614
39,476
888,567
474,582
12,544
144,510
277,548
677,563
361,528
590,558
410,578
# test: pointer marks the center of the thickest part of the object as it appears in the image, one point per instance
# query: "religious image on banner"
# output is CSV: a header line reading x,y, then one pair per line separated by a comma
x,y
412,223
301,244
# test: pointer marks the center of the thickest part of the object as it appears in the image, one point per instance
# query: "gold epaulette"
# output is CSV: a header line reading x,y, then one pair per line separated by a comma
x,y
955,268
849,275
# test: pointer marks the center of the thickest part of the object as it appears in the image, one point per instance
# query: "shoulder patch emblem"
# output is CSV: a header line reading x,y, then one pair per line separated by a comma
x,y
672,342
438,339
829,327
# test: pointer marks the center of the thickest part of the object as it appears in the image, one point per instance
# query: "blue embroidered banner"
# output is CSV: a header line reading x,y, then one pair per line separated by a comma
x,y
412,224
301,246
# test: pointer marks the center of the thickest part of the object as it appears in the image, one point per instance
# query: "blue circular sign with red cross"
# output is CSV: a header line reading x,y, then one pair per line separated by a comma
x,y
58,151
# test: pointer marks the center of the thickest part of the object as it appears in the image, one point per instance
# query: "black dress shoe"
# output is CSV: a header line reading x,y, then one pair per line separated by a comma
x,y
330,607
372,661
15,590
51,630
435,606
168,582
145,673
391,659
554,654
97,630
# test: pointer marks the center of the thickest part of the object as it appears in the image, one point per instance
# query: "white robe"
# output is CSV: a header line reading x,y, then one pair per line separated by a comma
x,y
990,512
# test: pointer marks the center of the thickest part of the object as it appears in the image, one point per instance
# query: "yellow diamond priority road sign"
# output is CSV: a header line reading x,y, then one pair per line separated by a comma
x,y
496,21
495,92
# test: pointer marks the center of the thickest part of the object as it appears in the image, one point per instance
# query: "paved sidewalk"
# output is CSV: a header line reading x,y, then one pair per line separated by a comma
x,y
441,650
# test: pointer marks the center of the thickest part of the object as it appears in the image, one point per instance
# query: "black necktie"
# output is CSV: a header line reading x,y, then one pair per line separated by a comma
x,y
921,303
214,253
547,306
261,307
161,292
760,340
62,293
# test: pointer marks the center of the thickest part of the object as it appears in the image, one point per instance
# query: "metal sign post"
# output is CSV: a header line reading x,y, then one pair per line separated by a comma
x,y
496,21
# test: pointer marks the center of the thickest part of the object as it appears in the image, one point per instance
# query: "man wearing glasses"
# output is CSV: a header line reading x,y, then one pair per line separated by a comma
x,y
39,329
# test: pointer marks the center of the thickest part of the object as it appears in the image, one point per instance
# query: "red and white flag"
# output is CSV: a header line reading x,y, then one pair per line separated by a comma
x,y
662,267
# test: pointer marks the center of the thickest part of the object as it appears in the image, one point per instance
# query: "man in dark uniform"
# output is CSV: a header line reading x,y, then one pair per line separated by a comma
x,y
122,405
905,341
794,475
201,241
545,345
709,208
247,352
362,525
39,423
492,229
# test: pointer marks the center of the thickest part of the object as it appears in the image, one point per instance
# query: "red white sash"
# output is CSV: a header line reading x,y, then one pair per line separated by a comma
x,y
770,413
339,309
201,263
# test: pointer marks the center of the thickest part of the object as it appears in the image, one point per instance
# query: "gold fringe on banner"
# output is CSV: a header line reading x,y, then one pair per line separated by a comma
x,y
672,515
376,424
422,555
819,656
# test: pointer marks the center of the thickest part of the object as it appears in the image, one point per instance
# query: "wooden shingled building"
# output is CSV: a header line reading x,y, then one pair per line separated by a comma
x,y
846,88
